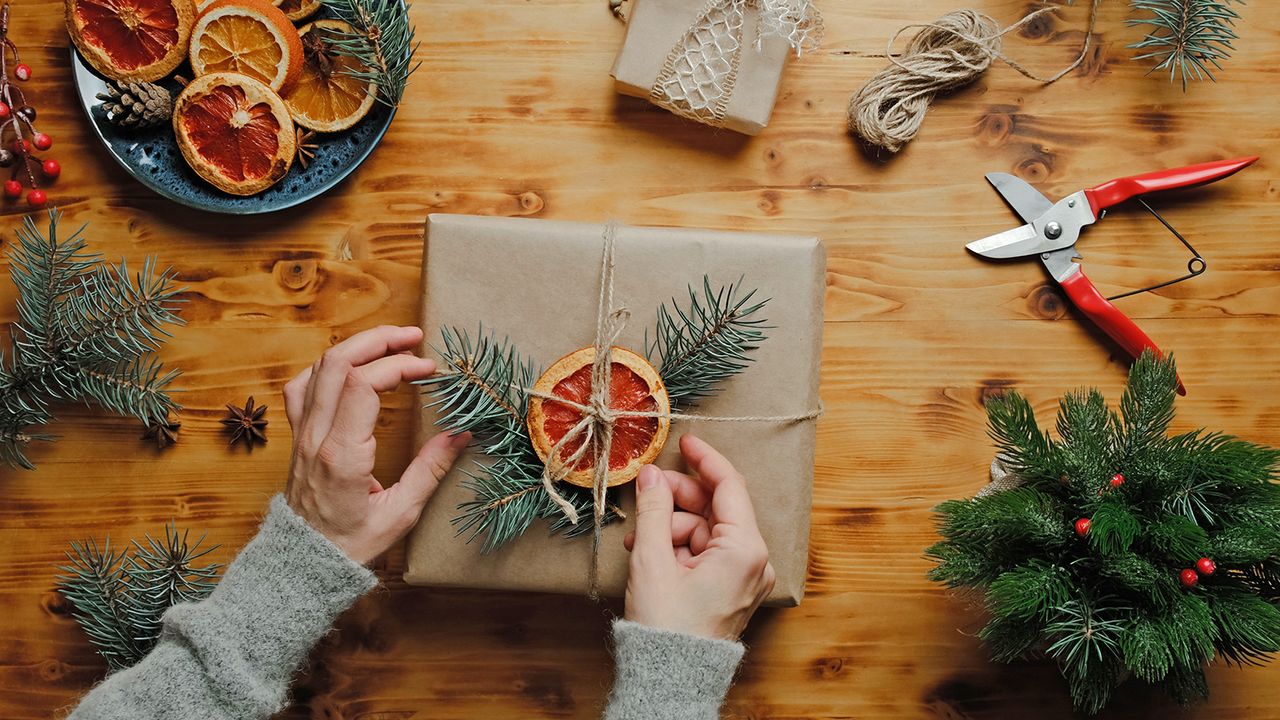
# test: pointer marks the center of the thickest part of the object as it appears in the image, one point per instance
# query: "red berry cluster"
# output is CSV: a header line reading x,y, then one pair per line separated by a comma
x,y
1190,578
19,138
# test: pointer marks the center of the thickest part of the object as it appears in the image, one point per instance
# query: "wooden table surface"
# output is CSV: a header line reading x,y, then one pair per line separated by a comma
x,y
513,113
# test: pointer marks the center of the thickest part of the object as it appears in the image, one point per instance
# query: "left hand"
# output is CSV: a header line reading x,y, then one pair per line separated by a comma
x,y
333,407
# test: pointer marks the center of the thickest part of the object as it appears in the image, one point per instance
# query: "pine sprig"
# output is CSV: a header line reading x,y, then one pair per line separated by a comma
x,y
483,390
1188,38
86,330
706,342
382,43
1112,600
119,597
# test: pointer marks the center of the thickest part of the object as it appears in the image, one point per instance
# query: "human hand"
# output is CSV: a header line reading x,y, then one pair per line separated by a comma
x,y
333,408
702,569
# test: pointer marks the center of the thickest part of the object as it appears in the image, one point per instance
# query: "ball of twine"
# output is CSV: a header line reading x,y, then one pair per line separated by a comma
x,y
946,54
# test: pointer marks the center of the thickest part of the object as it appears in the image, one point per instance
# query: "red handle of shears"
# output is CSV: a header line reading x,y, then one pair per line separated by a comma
x,y
1114,192
1084,294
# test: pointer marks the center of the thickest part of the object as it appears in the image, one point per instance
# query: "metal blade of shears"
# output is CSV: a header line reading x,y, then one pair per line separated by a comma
x,y
1013,243
1025,200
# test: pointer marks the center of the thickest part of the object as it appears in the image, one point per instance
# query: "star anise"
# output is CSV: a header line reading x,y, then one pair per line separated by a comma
x,y
247,424
306,146
163,434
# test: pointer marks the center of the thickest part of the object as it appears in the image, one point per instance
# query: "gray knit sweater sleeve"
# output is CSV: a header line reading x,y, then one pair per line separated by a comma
x,y
663,675
233,655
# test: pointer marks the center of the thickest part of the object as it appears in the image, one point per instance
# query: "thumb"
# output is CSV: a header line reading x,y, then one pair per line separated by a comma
x,y
654,507
432,463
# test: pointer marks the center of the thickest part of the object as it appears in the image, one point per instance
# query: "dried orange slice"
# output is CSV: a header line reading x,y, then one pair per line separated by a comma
x,y
634,385
234,132
250,37
131,39
297,10
326,97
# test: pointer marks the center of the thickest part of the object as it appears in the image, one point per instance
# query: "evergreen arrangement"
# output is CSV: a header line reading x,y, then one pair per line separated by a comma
x,y
382,41
695,346
118,597
1124,552
1188,38
87,331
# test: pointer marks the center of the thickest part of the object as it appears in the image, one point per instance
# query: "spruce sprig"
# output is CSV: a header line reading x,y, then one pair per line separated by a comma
x,y
119,597
86,330
382,43
1188,38
1112,602
705,342
482,389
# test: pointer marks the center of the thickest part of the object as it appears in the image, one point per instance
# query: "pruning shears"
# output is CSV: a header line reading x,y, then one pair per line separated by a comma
x,y
1052,229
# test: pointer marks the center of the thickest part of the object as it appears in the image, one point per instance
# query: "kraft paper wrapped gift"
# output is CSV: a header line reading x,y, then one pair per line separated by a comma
x,y
715,61
537,283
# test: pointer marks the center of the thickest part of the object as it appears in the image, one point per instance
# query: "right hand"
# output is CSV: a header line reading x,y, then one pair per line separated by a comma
x,y
702,569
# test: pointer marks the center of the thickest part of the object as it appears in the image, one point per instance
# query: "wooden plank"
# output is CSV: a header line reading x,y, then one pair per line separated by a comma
x,y
513,113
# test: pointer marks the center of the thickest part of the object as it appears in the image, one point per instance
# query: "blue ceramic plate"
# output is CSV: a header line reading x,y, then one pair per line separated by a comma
x,y
152,155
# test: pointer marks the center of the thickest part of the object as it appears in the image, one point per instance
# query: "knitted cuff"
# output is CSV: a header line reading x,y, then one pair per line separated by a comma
x,y
669,675
275,601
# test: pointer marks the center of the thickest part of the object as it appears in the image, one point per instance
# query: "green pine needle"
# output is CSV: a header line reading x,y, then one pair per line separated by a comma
x,y
1189,38
382,42
86,331
1112,603
119,597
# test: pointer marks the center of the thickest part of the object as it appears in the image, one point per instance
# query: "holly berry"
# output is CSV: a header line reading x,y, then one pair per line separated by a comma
x,y
4,111
37,198
1082,526
52,168
1188,578
1117,480
22,71
42,141
12,188
28,113
1205,566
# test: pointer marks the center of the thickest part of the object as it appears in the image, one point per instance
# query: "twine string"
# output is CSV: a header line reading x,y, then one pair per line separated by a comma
x,y
946,54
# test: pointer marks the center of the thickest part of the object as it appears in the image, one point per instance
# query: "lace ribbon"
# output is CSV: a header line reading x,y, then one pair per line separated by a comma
x,y
701,71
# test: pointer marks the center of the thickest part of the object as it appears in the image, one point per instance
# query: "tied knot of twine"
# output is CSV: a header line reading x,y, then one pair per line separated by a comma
x,y
594,432
946,54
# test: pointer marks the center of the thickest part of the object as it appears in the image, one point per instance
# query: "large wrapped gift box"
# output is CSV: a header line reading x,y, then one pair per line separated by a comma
x,y
712,61
537,283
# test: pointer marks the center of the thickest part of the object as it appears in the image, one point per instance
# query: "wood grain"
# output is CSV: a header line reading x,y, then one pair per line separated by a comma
x,y
513,113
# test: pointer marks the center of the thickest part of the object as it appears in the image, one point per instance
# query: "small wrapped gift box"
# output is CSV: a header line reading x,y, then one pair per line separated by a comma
x,y
536,283
714,61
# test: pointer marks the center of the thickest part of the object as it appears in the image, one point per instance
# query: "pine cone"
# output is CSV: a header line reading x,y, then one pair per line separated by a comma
x,y
136,104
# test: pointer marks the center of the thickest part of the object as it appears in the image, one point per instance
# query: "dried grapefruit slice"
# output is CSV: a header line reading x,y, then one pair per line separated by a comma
x,y
634,385
326,97
234,132
131,39
250,37
297,10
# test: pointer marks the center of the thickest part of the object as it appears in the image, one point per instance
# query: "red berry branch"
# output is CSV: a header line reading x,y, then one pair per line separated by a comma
x,y
19,138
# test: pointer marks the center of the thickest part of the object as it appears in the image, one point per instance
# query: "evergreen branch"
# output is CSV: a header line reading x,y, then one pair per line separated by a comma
x,y
85,331
1029,591
1186,37
1146,408
709,341
1248,626
1018,439
382,43
119,598
483,391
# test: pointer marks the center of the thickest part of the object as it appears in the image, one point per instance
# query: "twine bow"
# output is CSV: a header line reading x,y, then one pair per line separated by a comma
x,y
595,429
701,71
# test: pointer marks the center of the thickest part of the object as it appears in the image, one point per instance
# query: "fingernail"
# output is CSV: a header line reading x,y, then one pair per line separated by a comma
x,y
462,438
649,476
